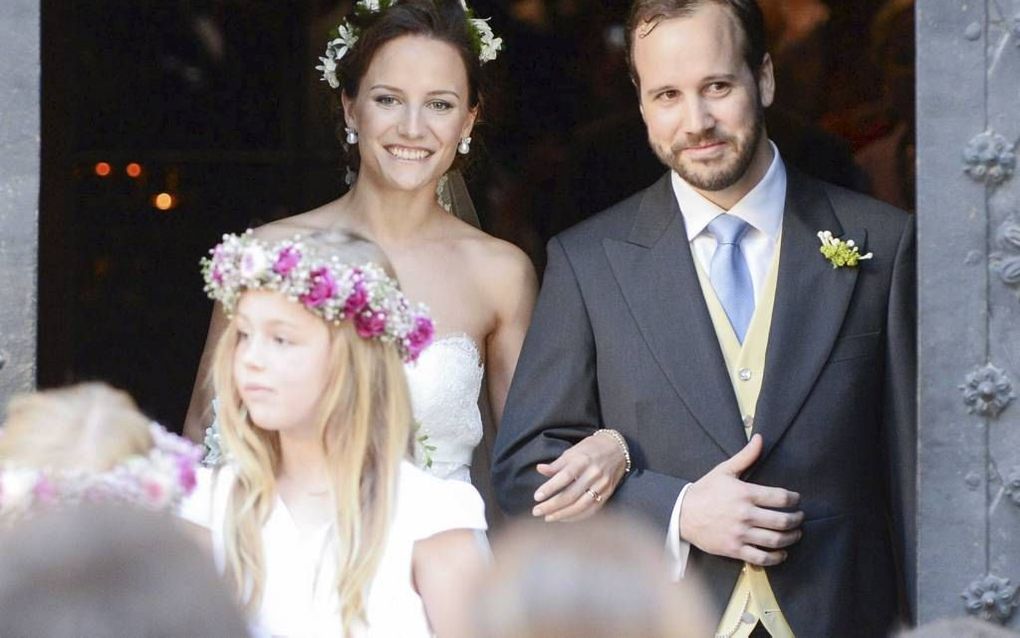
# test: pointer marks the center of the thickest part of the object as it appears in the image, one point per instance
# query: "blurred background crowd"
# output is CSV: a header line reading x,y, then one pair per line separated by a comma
x,y
170,122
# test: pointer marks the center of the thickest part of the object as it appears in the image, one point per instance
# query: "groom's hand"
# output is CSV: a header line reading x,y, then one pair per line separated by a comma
x,y
725,516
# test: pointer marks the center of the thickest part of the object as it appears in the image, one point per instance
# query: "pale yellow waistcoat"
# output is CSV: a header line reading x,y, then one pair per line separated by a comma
x,y
752,599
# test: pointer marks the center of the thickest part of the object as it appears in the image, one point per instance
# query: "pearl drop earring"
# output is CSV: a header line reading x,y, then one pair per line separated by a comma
x,y
352,136
465,146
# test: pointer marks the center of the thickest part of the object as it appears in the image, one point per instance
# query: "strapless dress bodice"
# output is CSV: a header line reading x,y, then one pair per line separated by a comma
x,y
445,383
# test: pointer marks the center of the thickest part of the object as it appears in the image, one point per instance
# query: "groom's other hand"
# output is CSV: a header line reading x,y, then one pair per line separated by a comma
x,y
725,516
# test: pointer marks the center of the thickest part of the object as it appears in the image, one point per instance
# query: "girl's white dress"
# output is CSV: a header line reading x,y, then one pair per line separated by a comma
x,y
299,598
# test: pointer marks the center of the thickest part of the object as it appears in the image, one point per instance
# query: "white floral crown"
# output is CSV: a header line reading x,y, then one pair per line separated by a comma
x,y
158,480
486,44
330,289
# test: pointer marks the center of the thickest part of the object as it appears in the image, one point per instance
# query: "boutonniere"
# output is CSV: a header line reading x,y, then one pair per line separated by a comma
x,y
840,253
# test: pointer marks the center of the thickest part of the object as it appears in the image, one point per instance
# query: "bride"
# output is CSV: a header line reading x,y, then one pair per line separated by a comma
x,y
408,75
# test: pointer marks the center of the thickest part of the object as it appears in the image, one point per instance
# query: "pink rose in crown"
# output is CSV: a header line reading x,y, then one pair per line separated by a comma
x,y
420,337
357,300
370,324
286,261
217,275
45,492
154,492
186,473
323,288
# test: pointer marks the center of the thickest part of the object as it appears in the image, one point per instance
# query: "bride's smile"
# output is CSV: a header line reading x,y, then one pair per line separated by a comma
x,y
411,111
409,154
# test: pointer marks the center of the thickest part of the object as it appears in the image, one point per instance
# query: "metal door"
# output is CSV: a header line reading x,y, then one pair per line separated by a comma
x,y
968,64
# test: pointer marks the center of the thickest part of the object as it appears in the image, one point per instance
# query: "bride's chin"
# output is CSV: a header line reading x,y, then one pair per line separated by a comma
x,y
410,183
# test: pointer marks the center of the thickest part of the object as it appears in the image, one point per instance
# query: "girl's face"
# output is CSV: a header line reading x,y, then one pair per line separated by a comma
x,y
411,112
281,364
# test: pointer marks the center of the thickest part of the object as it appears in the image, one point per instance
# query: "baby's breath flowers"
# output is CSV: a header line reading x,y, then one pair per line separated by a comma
x,y
841,253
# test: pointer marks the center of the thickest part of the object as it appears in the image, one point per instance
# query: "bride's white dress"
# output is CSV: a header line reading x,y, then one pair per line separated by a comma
x,y
445,383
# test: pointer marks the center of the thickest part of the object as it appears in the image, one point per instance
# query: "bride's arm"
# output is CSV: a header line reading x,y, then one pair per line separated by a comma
x,y
592,467
514,298
200,408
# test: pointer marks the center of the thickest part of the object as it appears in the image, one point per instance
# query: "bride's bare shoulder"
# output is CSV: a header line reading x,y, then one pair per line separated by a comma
x,y
318,219
492,259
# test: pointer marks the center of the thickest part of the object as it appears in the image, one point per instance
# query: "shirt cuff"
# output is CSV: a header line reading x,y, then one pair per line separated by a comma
x,y
677,549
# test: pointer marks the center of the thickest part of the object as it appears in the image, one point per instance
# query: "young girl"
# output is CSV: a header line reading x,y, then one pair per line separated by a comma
x,y
88,444
321,522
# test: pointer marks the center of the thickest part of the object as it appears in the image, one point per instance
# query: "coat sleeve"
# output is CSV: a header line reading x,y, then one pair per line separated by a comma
x,y
900,410
554,402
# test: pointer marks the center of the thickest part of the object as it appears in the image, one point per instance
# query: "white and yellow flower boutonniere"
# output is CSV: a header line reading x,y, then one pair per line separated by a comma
x,y
841,253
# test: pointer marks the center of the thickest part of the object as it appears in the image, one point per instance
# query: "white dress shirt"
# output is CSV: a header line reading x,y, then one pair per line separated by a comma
x,y
762,208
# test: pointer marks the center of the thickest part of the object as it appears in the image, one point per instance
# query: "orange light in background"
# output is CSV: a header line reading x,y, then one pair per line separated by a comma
x,y
164,201
103,169
134,169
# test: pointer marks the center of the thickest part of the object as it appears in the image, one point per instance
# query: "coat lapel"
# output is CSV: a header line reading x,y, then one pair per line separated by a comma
x,y
812,299
655,271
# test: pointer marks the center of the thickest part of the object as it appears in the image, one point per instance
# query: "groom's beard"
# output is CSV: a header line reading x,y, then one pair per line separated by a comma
x,y
727,170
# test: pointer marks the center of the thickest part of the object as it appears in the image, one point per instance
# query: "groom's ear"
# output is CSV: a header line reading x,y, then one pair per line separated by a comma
x,y
766,82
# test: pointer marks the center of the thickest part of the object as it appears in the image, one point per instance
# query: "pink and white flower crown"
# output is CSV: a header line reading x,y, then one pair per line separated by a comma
x,y
329,288
157,481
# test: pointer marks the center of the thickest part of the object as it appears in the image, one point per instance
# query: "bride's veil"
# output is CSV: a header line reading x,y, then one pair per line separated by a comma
x,y
454,196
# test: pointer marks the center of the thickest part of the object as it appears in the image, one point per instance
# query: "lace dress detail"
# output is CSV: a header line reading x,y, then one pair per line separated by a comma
x,y
445,383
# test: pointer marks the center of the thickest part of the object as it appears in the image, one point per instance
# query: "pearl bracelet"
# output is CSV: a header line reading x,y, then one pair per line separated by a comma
x,y
622,443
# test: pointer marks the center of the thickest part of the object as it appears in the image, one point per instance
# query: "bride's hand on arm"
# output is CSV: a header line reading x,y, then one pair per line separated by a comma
x,y
582,479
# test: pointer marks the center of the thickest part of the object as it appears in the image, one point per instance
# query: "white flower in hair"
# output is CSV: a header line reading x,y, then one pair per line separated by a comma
x,y
17,485
483,39
346,38
254,262
490,45
328,68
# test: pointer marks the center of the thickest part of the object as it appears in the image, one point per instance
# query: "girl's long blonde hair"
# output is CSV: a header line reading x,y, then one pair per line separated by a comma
x,y
364,422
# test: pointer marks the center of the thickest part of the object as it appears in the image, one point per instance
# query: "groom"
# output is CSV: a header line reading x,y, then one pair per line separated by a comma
x,y
767,395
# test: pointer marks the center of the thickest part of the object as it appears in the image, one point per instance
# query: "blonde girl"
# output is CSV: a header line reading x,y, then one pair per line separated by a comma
x,y
321,522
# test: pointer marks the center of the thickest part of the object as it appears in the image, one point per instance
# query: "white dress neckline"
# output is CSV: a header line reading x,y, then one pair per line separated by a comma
x,y
445,383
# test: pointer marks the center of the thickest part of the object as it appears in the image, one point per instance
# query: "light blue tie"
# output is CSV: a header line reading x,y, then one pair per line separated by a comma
x,y
730,276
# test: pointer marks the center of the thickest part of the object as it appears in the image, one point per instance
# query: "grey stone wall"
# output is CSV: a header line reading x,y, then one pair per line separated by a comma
x,y
19,193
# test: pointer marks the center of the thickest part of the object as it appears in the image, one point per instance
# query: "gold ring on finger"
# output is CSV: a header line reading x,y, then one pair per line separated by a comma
x,y
595,495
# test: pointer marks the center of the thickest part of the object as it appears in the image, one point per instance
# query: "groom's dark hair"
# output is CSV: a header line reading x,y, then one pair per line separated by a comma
x,y
645,15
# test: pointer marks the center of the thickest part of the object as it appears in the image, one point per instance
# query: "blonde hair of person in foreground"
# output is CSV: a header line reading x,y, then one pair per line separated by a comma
x,y
88,427
88,443
602,578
